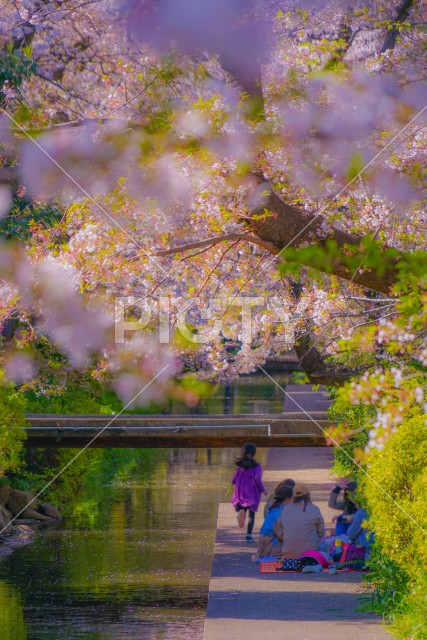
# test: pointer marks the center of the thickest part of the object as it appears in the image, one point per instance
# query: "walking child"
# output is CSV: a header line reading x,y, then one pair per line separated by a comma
x,y
248,488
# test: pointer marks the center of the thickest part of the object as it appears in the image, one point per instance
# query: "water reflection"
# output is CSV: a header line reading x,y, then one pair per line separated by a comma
x,y
249,394
12,623
132,558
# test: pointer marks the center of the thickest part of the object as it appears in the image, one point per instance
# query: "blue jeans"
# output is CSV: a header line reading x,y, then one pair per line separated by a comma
x,y
341,526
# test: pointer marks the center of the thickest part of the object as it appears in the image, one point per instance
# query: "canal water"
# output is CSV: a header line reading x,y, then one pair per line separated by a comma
x,y
132,556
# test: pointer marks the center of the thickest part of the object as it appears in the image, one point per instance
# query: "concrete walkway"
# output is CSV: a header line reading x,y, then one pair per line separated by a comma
x,y
247,605
301,397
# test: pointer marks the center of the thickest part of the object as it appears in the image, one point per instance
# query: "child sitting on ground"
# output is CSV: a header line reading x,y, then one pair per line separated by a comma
x,y
270,538
271,497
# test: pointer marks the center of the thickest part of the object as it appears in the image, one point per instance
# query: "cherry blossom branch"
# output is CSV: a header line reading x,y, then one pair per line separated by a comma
x,y
144,88
240,289
361,313
48,14
373,300
214,268
386,315
104,118
209,242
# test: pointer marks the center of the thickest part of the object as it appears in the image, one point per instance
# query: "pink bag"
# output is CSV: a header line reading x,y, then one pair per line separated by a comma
x,y
317,555
350,552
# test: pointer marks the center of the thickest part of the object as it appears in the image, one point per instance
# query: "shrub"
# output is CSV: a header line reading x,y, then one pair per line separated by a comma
x,y
387,584
12,422
395,491
393,487
40,465
349,419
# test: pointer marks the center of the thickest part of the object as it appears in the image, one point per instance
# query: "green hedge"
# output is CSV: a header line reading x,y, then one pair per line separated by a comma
x,y
12,422
393,487
396,496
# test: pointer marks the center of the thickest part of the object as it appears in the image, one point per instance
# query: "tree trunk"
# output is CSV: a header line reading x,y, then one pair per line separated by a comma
x,y
289,227
315,367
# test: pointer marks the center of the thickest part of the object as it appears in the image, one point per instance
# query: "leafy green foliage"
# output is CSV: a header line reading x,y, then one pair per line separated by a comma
x,y
368,254
89,398
300,377
387,584
12,421
393,486
396,493
80,395
22,216
15,68
353,419
324,257
39,466
412,620
346,457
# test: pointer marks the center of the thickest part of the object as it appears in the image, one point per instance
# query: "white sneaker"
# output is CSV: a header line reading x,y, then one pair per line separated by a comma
x,y
312,569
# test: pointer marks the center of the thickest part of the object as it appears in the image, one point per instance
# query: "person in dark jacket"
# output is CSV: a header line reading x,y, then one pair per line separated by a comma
x,y
347,505
358,531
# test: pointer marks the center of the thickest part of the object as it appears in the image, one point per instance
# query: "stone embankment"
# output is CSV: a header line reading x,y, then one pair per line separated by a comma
x,y
18,509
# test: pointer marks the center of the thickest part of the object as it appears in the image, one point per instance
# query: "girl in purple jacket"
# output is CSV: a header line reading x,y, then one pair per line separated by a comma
x,y
247,488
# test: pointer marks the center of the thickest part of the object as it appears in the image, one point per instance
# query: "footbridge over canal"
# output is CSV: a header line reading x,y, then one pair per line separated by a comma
x,y
302,424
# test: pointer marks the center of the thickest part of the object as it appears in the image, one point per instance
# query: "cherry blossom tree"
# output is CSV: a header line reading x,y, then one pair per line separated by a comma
x,y
211,166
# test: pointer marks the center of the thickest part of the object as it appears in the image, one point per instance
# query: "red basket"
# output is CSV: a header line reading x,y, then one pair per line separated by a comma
x,y
269,567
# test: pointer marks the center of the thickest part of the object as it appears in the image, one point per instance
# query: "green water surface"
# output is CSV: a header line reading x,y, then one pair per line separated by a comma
x,y
131,558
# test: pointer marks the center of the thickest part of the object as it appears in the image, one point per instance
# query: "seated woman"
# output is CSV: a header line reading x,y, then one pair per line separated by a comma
x,y
270,544
358,532
271,497
302,524
347,505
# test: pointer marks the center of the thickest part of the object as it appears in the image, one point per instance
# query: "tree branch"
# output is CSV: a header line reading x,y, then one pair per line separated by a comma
x,y
315,367
269,246
288,226
391,37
